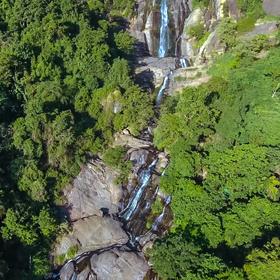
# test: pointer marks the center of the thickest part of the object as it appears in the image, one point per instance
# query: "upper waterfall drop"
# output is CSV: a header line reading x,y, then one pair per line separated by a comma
x,y
163,39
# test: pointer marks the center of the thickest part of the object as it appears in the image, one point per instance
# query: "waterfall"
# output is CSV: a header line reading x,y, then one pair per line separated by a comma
x,y
163,39
144,180
183,62
163,88
159,219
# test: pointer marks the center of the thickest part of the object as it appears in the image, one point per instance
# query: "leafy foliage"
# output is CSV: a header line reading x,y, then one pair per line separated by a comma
x,y
223,140
65,89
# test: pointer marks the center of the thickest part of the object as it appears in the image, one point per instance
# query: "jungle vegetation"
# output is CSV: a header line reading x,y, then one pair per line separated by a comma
x,y
223,138
65,89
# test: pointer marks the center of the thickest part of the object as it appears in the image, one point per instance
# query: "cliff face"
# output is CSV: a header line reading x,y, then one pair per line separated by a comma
x,y
145,26
192,37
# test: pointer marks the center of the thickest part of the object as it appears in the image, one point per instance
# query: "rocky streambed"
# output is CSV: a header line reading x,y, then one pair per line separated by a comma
x,y
111,225
109,230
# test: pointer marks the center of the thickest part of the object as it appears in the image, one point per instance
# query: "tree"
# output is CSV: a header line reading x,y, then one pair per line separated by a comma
x,y
33,182
47,223
63,72
223,175
263,263
124,41
17,223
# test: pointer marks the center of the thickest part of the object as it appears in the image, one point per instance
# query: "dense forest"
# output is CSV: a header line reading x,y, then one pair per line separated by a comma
x,y
63,67
66,86
223,138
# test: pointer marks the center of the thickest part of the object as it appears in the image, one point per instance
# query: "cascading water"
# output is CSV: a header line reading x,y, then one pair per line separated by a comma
x,y
184,63
163,88
143,183
159,219
163,39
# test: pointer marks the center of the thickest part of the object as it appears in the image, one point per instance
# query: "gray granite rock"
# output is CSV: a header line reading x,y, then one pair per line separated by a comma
x,y
145,26
124,139
67,271
159,67
272,7
233,9
265,28
138,156
187,42
92,233
84,274
119,265
189,77
94,188
98,232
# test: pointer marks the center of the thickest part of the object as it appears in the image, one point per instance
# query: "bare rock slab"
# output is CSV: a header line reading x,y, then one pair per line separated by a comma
x,y
119,265
92,233
272,7
93,189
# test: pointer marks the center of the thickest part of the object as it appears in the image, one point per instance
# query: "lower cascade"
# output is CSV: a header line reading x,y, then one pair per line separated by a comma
x,y
144,180
134,216
163,88
135,209
183,63
159,219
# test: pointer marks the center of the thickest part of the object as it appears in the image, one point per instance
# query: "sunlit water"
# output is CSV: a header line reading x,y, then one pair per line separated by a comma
x,y
163,39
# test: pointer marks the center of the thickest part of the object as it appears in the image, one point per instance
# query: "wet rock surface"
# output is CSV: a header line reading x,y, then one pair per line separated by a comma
x,y
145,25
152,70
108,222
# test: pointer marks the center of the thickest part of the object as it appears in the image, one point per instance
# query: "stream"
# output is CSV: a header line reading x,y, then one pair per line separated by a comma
x,y
136,207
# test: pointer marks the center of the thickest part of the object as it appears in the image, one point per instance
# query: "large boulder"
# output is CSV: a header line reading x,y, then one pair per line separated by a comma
x,y
187,42
189,77
159,67
113,264
263,28
272,7
91,199
98,232
125,139
90,234
138,157
67,271
119,265
93,189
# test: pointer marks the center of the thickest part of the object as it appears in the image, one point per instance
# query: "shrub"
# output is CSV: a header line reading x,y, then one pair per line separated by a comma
x,y
227,32
200,3
197,30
